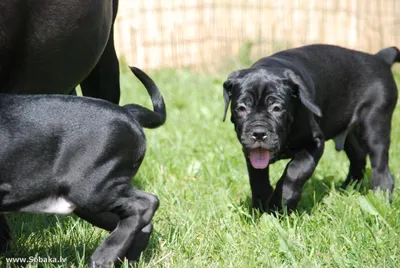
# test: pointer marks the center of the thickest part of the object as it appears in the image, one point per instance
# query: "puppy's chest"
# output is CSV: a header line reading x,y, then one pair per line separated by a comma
x,y
280,155
291,148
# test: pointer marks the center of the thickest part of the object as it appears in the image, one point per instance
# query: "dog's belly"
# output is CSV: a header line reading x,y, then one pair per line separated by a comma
x,y
12,200
57,205
53,204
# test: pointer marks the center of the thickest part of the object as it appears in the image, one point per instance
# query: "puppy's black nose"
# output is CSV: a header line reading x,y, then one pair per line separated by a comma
x,y
259,134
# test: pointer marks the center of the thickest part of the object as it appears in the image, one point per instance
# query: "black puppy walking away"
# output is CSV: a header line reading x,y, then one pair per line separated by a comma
x,y
287,105
64,154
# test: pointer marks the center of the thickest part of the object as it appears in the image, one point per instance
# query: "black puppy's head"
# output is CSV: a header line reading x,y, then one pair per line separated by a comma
x,y
264,105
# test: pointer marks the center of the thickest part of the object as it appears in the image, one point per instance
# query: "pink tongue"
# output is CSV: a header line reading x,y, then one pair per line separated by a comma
x,y
259,158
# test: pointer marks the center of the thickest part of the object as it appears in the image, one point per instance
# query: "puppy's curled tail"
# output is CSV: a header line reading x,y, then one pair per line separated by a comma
x,y
389,55
146,117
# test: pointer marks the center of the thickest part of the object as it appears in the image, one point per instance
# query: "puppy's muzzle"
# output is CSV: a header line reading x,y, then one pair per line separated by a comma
x,y
259,134
264,137
259,144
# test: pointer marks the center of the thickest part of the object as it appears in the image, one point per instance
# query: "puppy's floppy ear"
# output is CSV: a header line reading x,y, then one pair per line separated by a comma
x,y
227,96
304,93
227,92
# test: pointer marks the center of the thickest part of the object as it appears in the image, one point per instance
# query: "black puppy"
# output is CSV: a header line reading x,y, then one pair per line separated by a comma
x,y
287,105
64,154
49,47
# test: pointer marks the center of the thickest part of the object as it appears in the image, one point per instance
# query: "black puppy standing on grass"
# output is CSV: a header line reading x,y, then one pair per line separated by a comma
x,y
49,47
287,105
64,154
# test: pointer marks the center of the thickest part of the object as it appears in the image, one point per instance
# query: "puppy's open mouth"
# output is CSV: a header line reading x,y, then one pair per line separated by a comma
x,y
259,158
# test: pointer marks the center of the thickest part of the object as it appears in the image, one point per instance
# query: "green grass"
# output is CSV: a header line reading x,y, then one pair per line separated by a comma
x,y
194,165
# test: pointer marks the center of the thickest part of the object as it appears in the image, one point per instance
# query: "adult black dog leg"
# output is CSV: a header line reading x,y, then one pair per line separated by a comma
x,y
261,189
289,188
357,154
5,234
103,81
109,221
135,211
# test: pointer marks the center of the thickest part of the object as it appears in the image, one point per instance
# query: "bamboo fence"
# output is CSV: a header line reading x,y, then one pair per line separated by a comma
x,y
208,34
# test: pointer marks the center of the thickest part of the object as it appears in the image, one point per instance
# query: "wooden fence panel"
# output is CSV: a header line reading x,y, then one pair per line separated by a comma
x,y
205,34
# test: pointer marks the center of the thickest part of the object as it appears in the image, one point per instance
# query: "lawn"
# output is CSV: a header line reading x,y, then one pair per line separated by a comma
x,y
195,166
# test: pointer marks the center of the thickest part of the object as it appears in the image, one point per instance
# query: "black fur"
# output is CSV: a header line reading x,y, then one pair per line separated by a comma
x,y
85,151
49,47
287,105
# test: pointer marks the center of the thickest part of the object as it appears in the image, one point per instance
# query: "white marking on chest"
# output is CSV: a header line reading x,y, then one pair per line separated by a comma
x,y
56,205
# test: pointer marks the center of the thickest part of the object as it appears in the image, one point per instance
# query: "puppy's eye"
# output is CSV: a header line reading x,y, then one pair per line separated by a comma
x,y
241,109
277,108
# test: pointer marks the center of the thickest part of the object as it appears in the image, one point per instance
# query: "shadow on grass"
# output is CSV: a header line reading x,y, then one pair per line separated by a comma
x,y
313,193
246,212
27,228
60,236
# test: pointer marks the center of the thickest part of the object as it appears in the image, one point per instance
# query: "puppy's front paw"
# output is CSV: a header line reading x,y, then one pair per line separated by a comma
x,y
279,204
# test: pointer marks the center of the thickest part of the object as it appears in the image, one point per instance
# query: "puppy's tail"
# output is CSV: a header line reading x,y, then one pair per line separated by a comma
x,y
389,55
146,117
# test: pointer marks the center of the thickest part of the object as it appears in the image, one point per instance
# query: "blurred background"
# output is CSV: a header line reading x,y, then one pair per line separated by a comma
x,y
215,35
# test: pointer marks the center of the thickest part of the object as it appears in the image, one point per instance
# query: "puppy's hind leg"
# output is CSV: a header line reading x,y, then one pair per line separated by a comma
x,y
357,154
109,221
140,243
376,128
135,210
